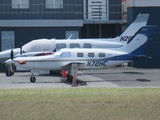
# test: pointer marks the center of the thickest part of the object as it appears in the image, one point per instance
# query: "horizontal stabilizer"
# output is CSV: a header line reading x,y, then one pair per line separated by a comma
x,y
143,56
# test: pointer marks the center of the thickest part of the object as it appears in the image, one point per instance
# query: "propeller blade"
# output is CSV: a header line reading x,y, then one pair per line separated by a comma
x,y
21,49
12,54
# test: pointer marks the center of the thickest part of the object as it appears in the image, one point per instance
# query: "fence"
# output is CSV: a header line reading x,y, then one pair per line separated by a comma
x,y
65,11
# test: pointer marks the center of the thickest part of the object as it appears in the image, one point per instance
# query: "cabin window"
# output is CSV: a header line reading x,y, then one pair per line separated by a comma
x,y
54,4
20,4
65,54
74,45
86,45
79,54
90,54
101,54
60,46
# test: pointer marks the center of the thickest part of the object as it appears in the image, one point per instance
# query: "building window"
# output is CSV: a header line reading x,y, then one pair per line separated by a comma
x,y
90,54
20,4
60,46
96,9
7,40
54,4
79,54
101,54
74,45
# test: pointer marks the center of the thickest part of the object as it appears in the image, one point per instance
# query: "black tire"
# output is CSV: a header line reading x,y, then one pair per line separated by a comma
x,y
8,73
69,78
32,79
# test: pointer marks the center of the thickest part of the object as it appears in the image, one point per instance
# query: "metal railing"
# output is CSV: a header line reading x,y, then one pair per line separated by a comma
x,y
65,11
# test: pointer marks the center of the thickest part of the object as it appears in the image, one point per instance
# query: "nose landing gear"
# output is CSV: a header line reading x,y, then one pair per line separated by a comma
x,y
10,70
9,73
32,78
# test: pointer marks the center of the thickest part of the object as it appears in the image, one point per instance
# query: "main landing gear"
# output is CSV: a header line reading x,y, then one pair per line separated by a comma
x,y
69,78
72,74
10,70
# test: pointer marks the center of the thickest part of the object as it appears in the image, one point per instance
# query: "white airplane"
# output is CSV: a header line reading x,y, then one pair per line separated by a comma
x,y
45,47
76,59
49,45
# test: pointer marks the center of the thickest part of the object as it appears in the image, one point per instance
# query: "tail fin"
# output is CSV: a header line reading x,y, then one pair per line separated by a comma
x,y
138,42
128,33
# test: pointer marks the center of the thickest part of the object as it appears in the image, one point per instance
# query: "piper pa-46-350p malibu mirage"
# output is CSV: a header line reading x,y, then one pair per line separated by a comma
x,y
76,59
45,46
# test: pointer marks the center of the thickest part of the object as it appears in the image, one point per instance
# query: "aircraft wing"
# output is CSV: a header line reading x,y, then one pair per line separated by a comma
x,y
80,65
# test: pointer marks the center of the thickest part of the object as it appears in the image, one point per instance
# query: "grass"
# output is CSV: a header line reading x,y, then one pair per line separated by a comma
x,y
80,103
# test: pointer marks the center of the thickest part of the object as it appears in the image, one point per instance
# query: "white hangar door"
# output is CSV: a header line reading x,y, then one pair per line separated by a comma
x,y
95,9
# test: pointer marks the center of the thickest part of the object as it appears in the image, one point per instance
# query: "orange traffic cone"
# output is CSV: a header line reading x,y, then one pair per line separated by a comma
x,y
74,81
64,74
12,72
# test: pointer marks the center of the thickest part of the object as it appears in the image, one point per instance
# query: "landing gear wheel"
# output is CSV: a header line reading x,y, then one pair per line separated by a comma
x,y
8,73
32,79
69,78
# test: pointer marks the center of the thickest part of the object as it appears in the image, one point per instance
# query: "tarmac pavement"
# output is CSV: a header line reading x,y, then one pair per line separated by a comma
x,y
119,77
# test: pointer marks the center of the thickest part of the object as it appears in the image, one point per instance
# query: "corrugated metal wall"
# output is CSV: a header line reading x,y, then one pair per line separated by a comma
x,y
153,47
115,9
72,9
107,31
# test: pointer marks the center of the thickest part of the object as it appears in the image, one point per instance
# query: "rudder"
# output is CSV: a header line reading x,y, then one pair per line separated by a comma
x,y
138,42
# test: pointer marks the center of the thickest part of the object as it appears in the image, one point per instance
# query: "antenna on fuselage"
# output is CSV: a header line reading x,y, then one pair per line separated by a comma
x,y
95,46
70,37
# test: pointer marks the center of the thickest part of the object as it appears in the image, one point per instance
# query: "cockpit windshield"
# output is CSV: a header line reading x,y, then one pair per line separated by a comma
x,y
65,54
57,53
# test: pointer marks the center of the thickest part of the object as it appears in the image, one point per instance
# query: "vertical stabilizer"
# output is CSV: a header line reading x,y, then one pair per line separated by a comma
x,y
128,33
138,42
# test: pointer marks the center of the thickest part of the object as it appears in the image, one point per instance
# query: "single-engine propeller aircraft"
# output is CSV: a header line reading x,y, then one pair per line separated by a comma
x,y
76,59
45,46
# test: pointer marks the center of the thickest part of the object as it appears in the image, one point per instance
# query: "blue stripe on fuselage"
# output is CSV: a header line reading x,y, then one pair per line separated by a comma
x,y
126,57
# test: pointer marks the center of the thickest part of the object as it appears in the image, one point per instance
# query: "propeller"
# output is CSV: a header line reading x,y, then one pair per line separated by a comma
x,y
21,49
10,68
12,54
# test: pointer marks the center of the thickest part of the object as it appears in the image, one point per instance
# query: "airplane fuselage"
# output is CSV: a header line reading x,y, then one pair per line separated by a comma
x,y
85,58
54,65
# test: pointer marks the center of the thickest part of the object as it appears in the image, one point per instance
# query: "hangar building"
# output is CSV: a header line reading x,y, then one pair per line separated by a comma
x,y
152,7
